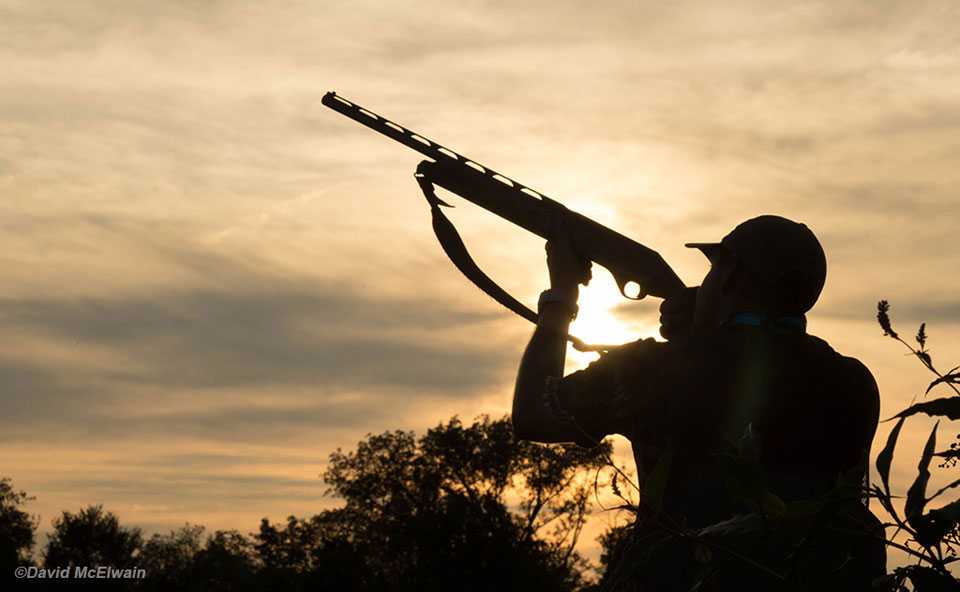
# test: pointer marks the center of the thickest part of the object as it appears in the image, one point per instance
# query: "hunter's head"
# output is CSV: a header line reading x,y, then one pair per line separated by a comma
x,y
767,265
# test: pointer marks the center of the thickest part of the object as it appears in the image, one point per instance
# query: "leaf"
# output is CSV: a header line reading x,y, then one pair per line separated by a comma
x,y
932,527
951,378
634,556
749,445
703,553
885,501
886,456
751,523
773,504
744,480
951,486
804,508
927,579
948,407
657,480
885,583
917,492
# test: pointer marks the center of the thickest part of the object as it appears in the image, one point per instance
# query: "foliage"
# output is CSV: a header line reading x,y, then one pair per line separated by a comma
x,y
227,562
91,537
933,537
768,544
17,528
183,560
463,507
169,556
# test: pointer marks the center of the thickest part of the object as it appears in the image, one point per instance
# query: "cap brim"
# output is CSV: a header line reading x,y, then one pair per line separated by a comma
x,y
707,249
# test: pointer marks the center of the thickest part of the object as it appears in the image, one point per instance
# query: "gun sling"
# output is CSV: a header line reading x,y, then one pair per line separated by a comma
x,y
453,246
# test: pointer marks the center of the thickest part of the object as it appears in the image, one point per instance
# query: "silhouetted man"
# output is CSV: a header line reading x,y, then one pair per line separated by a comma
x,y
737,354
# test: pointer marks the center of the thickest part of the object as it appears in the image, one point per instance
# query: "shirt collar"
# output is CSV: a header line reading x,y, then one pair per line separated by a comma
x,y
786,322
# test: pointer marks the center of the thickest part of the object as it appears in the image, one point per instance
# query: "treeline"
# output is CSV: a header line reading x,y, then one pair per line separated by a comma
x,y
464,508
472,508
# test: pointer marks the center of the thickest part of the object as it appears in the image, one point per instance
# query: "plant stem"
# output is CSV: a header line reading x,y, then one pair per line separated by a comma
x,y
926,363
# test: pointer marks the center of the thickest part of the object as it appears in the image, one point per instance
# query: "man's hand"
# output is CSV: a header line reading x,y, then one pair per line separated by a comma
x,y
676,315
566,269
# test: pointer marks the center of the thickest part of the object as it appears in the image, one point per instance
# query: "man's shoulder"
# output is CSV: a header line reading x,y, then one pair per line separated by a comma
x,y
781,349
845,364
845,378
729,345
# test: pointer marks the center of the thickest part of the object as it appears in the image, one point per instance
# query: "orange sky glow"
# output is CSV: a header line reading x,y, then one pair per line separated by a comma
x,y
211,281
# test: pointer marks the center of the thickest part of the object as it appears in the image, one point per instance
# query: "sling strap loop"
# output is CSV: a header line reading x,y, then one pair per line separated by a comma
x,y
453,246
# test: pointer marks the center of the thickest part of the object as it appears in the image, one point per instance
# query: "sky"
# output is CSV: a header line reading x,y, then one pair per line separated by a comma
x,y
212,281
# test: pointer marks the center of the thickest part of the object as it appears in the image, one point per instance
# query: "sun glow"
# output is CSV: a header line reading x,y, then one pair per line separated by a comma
x,y
599,323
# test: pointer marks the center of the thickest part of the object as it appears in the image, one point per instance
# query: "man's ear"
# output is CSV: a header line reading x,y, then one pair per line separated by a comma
x,y
733,274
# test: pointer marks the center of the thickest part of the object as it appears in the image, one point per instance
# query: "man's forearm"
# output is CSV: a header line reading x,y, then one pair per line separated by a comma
x,y
544,358
545,354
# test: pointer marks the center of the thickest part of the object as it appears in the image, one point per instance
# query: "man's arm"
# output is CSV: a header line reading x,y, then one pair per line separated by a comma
x,y
544,357
543,360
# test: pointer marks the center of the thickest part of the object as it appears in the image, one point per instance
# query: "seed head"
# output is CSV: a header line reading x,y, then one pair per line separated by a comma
x,y
922,335
884,319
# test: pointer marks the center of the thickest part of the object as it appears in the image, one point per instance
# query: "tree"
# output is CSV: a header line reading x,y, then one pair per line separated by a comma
x,y
289,553
16,528
91,538
168,559
227,562
466,508
182,560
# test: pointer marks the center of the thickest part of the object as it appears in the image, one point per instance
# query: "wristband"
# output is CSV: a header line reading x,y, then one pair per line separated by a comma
x,y
561,297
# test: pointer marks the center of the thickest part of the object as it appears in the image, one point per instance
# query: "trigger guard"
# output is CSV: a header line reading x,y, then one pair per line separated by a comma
x,y
622,286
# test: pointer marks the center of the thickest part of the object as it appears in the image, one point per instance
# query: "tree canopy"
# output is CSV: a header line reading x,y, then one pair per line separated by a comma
x,y
462,507
91,537
16,528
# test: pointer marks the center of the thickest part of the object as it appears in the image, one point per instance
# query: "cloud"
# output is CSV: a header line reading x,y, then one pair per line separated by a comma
x,y
203,340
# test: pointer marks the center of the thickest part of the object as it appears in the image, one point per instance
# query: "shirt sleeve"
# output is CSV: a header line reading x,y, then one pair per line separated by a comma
x,y
609,395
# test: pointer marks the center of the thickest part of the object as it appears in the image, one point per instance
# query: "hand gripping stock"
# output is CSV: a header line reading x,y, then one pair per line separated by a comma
x,y
627,260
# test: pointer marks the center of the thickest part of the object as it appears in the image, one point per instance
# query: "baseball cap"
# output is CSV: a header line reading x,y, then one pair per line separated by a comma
x,y
784,252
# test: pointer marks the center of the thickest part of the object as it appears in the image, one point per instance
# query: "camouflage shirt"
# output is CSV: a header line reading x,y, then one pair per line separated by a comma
x,y
816,411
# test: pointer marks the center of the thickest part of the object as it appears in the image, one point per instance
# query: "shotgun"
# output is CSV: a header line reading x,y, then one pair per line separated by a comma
x,y
628,261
